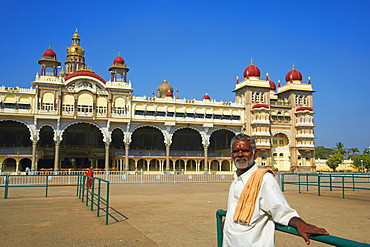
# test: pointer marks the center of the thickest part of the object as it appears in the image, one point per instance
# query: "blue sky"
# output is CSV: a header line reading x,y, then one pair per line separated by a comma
x,y
202,46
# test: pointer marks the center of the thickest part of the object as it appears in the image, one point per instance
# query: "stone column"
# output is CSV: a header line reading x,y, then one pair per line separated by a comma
x,y
168,157
127,149
33,161
205,158
56,156
107,156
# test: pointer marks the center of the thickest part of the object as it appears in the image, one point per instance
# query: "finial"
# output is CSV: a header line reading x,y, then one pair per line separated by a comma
x,y
278,83
119,53
165,79
237,79
267,77
293,68
251,61
309,80
50,46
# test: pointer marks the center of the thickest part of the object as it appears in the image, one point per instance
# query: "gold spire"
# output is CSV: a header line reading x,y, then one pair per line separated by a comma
x,y
75,48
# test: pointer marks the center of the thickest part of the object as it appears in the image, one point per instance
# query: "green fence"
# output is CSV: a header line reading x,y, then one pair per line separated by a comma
x,y
338,181
47,181
96,196
327,239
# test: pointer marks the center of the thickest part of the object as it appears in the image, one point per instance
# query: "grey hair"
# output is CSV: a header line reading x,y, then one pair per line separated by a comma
x,y
244,137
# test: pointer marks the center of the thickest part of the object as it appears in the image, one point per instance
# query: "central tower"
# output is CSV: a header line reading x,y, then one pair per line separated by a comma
x,y
75,56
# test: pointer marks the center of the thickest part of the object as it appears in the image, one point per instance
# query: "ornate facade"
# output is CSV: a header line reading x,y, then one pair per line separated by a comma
x,y
74,119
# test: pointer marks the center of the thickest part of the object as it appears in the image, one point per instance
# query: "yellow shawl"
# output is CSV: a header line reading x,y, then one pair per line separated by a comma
x,y
247,200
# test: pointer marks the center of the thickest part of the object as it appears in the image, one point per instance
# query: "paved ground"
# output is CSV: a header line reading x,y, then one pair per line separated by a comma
x,y
160,215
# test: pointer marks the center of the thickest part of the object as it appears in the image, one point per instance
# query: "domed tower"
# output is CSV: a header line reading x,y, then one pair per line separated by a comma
x,y
118,68
49,59
164,88
293,76
75,56
252,72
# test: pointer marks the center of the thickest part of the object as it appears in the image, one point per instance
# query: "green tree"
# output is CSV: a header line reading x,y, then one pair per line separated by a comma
x,y
339,148
322,152
366,151
353,150
364,165
334,161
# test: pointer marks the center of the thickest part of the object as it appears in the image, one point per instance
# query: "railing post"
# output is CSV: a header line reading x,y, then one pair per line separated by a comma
x,y
331,182
299,183
318,184
107,204
92,194
282,182
6,189
343,187
46,185
306,181
99,187
353,182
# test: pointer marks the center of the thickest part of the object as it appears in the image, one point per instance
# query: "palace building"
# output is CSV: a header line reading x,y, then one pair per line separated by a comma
x,y
72,118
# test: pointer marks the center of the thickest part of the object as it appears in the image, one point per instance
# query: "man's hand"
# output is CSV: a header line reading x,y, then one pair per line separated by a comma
x,y
305,229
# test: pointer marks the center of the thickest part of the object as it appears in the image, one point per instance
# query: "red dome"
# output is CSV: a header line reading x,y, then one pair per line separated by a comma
x,y
169,94
119,60
304,109
84,73
260,106
293,75
272,86
252,71
206,97
49,53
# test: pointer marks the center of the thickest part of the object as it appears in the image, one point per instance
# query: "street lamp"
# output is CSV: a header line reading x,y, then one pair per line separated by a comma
x,y
362,166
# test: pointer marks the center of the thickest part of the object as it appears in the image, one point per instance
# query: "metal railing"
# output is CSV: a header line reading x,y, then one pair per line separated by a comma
x,y
177,176
47,181
95,195
355,181
327,239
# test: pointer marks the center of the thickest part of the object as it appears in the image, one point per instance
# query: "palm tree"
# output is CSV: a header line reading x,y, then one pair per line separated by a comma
x,y
353,150
339,148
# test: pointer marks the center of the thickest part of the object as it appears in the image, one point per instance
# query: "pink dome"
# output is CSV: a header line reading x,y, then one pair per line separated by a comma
x,y
252,71
118,60
293,75
272,86
49,53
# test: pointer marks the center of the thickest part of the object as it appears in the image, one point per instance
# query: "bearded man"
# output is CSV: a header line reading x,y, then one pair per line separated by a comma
x,y
256,202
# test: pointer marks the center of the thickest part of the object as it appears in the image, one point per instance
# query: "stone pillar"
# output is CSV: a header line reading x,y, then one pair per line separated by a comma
x,y
56,156
33,161
168,157
127,149
107,156
205,158
17,166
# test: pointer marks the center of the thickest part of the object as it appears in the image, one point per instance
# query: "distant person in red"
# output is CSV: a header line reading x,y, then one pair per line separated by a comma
x,y
89,173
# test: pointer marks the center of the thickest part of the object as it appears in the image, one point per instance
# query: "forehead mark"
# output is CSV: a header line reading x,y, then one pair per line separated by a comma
x,y
239,146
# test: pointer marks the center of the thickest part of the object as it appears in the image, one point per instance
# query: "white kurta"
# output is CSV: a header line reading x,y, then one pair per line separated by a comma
x,y
271,206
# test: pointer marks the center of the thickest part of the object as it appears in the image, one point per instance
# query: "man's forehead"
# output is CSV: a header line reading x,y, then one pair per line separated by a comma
x,y
239,144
